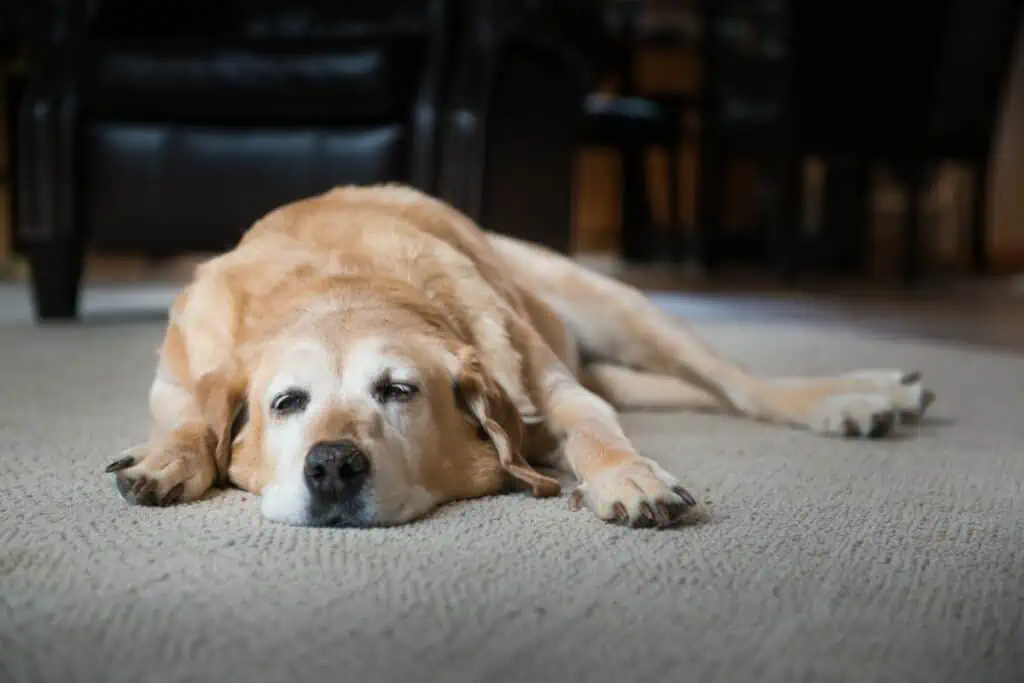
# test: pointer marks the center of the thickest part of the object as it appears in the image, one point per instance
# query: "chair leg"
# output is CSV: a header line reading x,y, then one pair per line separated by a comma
x,y
789,235
56,279
979,219
709,205
637,222
675,223
912,234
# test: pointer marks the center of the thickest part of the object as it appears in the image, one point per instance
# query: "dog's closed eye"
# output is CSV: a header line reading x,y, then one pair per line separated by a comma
x,y
388,391
289,402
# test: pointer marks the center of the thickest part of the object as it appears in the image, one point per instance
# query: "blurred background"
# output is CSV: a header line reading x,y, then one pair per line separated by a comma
x,y
814,158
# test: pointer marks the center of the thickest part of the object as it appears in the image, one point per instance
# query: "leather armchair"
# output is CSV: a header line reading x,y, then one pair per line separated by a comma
x,y
166,126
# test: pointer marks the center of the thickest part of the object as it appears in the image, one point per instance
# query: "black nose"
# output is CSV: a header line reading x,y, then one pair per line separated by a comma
x,y
335,469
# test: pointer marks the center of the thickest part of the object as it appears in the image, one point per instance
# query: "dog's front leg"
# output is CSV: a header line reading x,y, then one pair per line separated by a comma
x,y
175,468
177,463
616,483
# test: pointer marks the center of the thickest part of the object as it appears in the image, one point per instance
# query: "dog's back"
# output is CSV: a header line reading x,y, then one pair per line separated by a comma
x,y
398,225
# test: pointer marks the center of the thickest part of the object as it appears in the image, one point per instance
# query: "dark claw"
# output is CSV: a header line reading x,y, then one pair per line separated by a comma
x,y
148,498
174,495
646,520
881,425
850,427
143,486
138,491
685,495
145,492
619,513
927,398
914,416
124,487
121,464
910,378
672,513
665,514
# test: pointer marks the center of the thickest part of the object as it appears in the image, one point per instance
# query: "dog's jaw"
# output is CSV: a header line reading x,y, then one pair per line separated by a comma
x,y
287,502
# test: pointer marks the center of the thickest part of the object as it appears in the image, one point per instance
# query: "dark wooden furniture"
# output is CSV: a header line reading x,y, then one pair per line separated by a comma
x,y
632,125
920,87
632,122
747,114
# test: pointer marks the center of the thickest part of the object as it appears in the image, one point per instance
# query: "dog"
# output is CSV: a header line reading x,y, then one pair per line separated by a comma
x,y
364,356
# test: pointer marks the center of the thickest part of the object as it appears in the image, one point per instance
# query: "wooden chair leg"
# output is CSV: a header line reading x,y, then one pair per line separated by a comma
x,y
675,225
912,233
978,225
637,236
709,205
788,241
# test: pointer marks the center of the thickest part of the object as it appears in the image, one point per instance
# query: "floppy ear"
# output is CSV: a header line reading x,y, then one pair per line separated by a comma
x,y
221,398
490,408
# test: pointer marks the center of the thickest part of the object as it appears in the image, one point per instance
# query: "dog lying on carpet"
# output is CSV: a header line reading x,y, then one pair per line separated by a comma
x,y
366,355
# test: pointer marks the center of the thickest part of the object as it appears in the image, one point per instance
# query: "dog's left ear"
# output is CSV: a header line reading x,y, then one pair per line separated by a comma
x,y
488,406
221,395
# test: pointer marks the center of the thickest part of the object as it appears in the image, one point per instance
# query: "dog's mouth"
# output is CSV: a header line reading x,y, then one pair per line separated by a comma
x,y
353,512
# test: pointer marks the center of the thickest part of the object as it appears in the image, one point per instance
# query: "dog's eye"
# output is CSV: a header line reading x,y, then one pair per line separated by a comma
x,y
290,401
397,392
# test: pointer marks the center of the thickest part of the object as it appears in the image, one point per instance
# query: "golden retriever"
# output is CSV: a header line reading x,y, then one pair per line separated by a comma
x,y
368,354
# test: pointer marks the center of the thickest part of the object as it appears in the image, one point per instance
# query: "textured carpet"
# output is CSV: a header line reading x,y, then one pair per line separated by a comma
x,y
822,560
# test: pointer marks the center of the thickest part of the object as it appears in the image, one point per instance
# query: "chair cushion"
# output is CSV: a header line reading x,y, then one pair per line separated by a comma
x,y
248,85
185,188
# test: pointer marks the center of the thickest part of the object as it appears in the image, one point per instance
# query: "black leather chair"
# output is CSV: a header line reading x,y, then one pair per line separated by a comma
x,y
18,28
168,126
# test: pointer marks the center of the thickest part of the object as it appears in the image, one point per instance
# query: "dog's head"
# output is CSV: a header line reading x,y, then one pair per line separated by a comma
x,y
351,425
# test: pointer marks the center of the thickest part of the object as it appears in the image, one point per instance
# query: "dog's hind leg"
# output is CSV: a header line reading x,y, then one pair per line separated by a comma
x,y
629,389
615,323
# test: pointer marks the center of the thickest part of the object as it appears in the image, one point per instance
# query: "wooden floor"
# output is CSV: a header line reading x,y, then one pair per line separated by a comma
x,y
985,313
975,321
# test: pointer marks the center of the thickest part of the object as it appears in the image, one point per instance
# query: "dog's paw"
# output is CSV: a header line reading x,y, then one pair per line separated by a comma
x,y
855,415
909,397
159,477
865,403
872,403
638,493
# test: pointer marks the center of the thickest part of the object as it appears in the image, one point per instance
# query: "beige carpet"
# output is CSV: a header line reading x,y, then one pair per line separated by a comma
x,y
823,561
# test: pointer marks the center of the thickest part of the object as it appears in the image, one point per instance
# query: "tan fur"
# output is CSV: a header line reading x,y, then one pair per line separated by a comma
x,y
494,327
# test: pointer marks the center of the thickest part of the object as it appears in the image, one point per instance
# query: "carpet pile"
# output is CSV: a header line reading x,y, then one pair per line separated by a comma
x,y
820,560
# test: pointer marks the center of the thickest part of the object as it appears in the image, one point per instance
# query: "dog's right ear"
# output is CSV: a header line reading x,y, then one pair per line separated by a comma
x,y
488,406
221,395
